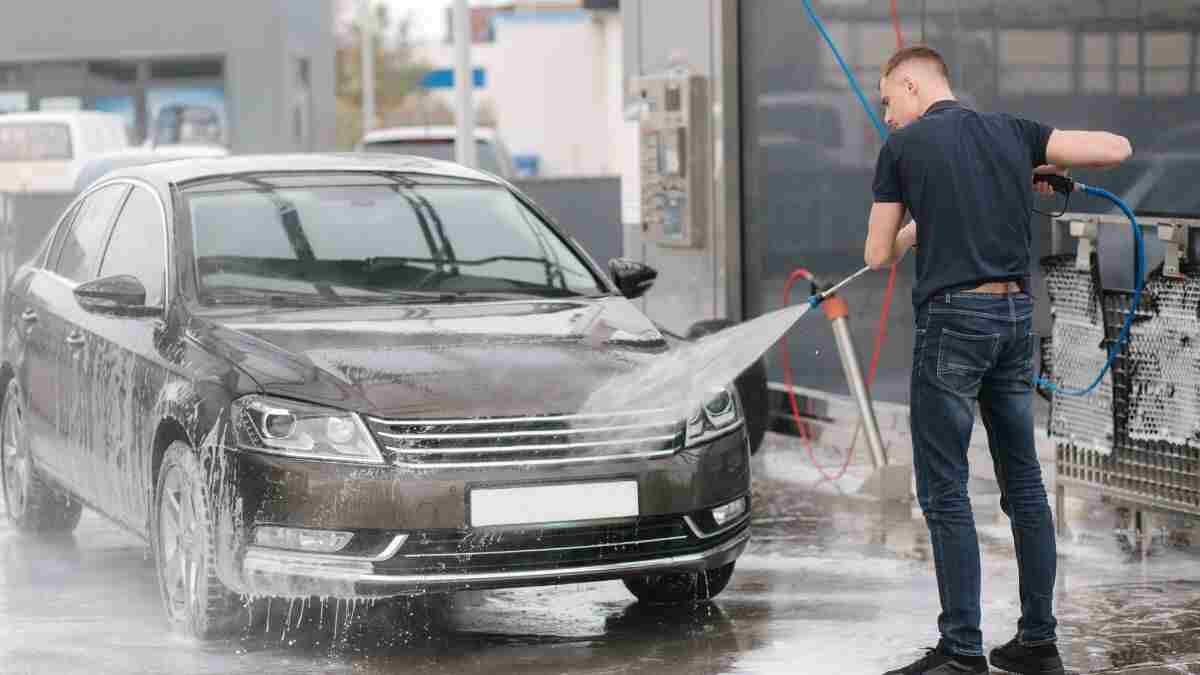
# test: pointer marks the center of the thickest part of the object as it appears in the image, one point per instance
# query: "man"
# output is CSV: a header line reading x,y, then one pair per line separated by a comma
x,y
964,176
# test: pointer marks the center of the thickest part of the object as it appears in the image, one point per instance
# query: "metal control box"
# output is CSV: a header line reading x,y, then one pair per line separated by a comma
x,y
676,173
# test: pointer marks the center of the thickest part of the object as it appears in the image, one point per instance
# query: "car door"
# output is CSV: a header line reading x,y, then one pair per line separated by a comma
x,y
77,261
128,368
37,334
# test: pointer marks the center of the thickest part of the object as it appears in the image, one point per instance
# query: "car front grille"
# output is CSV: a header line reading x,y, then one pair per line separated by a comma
x,y
522,549
525,441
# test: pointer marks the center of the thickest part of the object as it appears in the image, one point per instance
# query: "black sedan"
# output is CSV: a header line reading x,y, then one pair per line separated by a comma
x,y
353,376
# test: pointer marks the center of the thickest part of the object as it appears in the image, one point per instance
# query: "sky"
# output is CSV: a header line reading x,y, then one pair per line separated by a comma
x,y
428,15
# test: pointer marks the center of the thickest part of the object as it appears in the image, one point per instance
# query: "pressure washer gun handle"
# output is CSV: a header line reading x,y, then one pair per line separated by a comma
x,y
1060,184
818,298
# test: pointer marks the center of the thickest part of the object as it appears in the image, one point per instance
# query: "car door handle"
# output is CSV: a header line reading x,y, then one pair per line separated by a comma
x,y
29,316
76,339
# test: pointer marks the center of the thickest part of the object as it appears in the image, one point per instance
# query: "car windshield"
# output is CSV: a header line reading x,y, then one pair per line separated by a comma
x,y
438,148
305,239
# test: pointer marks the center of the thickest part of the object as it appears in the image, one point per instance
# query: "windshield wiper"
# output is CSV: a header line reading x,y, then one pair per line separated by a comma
x,y
231,295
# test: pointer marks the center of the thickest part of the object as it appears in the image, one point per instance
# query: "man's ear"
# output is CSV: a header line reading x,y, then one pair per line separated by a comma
x,y
910,85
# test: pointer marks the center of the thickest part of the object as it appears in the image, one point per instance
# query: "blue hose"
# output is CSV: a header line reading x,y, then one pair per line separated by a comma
x,y
1139,281
845,69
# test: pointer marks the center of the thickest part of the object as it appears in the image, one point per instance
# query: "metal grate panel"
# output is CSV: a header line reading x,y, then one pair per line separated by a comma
x,y
1077,351
1154,392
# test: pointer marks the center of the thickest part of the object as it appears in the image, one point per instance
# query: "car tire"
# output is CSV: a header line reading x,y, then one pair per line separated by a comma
x,y
31,503
751,385
676,588
196,601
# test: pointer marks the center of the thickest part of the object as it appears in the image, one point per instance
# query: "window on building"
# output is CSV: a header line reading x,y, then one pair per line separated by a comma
x,y
186,69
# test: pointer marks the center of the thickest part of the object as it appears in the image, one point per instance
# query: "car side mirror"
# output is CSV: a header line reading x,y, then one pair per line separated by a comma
x,y
633,278
120,295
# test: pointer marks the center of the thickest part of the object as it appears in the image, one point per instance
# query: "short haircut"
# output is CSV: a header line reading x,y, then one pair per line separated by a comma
x,y
914,53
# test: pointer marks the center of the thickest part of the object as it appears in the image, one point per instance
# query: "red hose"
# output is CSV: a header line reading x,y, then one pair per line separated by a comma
x,y
880,337
881,330
896,26
801,428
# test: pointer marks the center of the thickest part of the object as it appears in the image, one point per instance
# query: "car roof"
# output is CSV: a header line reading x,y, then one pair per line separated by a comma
x,y
424,133
100,165
174,172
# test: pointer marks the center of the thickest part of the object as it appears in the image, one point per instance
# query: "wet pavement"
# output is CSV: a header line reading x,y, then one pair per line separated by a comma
x,y
830,584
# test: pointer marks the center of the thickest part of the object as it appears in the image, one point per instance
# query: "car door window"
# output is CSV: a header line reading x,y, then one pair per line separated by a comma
x,y
138,245
48,251
82,246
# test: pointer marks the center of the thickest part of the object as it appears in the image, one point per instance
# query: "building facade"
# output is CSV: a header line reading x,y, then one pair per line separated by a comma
x,y
263,71
551,75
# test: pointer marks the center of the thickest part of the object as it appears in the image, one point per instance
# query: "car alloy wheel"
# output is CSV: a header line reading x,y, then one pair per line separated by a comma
x,y
32,504
15,460
196,601
181,541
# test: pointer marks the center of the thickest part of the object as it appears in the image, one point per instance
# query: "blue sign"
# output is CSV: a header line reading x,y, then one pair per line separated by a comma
x,y
527,166
443,78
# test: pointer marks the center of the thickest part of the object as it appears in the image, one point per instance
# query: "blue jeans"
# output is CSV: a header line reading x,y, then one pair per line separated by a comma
x,y
978,348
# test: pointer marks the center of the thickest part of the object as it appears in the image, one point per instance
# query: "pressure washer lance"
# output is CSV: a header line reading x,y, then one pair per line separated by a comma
x,y
818,298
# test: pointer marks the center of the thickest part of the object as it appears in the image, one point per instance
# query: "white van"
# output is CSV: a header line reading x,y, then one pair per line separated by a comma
x,y
43,151
437,142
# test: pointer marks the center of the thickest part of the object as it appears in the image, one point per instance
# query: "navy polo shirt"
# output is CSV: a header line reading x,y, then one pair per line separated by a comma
x,y
964,176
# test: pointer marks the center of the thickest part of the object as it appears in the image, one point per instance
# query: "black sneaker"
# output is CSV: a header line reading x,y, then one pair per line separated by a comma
x,y
938,662
1015,657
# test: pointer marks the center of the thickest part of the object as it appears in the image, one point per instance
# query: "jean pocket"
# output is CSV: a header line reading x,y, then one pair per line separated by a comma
x,y
964,358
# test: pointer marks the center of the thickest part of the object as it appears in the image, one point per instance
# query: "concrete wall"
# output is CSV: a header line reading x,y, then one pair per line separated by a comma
x,y
702,283
254,38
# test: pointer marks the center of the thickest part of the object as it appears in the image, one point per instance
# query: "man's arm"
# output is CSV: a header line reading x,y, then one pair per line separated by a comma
x,y
1087,149
882,231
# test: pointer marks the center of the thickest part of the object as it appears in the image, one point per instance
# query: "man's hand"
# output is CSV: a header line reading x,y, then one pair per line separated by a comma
x,y
905,239
1044,188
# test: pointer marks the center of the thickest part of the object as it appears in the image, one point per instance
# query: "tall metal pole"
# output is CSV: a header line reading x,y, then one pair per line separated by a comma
x,y
836,311
464,81
367,20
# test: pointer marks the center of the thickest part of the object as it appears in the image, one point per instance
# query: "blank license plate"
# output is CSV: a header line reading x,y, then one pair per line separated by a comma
x,y
553,503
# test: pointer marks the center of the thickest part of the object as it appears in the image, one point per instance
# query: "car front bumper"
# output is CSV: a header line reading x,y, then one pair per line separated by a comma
x,y
412,529
291,573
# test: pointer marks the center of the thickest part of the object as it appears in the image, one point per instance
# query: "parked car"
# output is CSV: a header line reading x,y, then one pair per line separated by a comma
x,y
43,151
95,168
437,142
353,376
183,124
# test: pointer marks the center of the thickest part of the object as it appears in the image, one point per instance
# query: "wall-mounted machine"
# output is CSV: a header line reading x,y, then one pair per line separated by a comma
x,y
676,167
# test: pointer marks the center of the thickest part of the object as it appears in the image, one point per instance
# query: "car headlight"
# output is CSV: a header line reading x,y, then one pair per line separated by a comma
x,y
283,427
718,415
